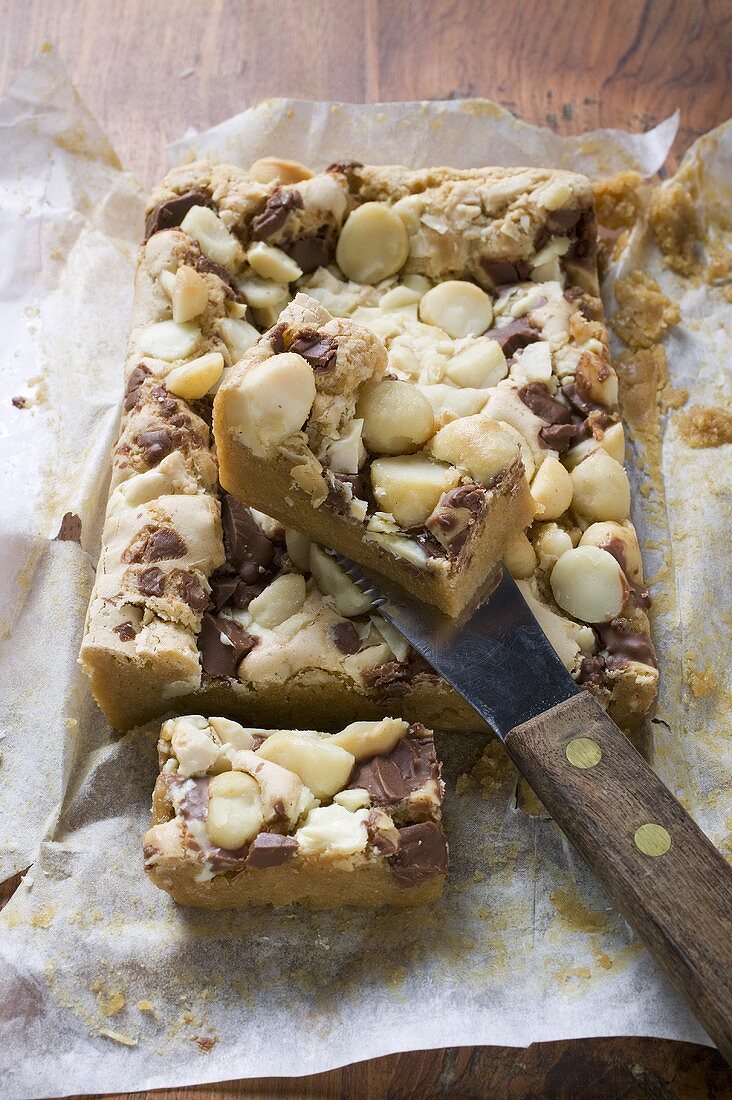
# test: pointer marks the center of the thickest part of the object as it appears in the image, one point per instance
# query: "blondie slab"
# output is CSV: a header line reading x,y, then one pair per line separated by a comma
x,y
261,817
264,626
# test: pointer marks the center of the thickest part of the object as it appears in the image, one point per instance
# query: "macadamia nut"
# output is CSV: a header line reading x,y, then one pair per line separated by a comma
x,y
589,584
397,418
234,810
601,488
551,489
477,444
373,243
272,400
410,486
321,765
459,308
216,242
194,379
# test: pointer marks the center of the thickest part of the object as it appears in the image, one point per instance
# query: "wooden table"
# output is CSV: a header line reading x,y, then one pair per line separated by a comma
x,y
150,68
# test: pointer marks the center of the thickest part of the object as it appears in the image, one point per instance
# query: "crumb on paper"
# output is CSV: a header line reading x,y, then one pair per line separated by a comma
x,y
619,199
702,681
674,219
205,1043
643,374
487,773
145,1006
573,913
21,401
644,312
719,265
117,1037
110,1001
706,426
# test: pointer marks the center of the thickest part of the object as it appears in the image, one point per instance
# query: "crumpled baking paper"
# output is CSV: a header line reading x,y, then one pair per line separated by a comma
x,y
106,985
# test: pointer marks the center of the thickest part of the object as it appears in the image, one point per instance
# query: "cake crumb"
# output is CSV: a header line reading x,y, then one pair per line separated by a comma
x,y
644,312
146,1006
706,426
487,773
117,1037
674,220
619,199
702,683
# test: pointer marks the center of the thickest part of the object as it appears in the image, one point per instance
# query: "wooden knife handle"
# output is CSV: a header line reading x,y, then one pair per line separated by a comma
x,y
667,878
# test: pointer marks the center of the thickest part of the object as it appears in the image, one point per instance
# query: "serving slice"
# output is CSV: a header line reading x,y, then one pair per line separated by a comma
x,y
270,817
311,427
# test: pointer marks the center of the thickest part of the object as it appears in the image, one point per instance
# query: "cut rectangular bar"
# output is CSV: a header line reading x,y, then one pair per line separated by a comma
x,y
198,615
311,429
257,817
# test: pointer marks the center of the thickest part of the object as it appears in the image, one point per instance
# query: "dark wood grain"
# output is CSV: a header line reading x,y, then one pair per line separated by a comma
x,y
680,901
148,69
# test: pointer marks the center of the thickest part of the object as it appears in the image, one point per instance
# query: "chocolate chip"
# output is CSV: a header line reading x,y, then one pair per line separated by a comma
x,y
163,544
277,338
422,853
275,212
270,850
168,214
564,219
389,680
246,544
592,672
151,582
192,591
536,396
624,644
221,658
581,404
317,350
516,334
470,496
205,266
222,590
20,402
70,529
345,637
639,596
392,778
134,384
154,445
310,253
559,437
343,167
126,631
501,272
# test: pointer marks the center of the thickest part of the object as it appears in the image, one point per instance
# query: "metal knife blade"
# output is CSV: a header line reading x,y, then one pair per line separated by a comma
x,y
496,656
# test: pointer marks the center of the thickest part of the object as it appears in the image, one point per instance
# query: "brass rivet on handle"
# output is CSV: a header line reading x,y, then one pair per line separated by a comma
x,y
652,839
583,752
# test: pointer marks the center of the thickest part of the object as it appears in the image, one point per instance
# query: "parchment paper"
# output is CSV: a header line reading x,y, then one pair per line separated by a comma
x,y
105,985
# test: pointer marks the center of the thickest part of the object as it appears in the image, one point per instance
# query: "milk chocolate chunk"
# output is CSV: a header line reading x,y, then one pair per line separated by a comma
x,y
623,644
151,582
223,644
422,852
270,850
125,631
275,212
135,383
346,637
222,591
559,437
169,214
155,445
310,253
407,768
380,841
536,396
501,272
246,544
161,545
70,529
192,591
319,351
639,594
513,336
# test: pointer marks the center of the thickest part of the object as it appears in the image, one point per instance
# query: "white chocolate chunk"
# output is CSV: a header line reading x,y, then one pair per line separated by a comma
x,y
357,798
453,402
193,744
279,601
281,791
189,294
589,584
371,657
551,489
568,638
347,454
238,335
234,810
168,340
550,542
272,400
420,283
459,308
479,365
194,379
167,281
519,558
298,549
373,244
263,293
231,733
366,739
399,297
533,364
601,488
623,536
322,766
396,642
478,444
215,240
272,263
333,829
332,581
410,486
397,418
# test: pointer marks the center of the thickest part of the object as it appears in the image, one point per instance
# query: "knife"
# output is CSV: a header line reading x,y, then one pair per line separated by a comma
x,y
667,879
